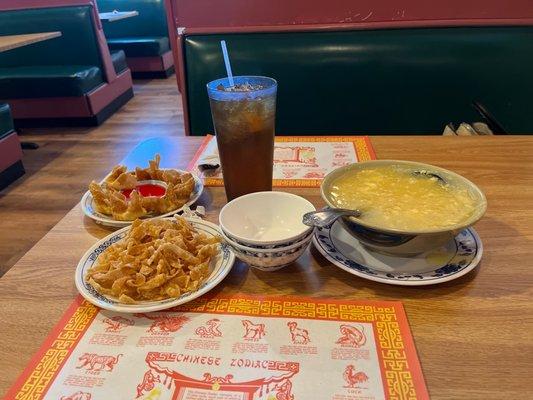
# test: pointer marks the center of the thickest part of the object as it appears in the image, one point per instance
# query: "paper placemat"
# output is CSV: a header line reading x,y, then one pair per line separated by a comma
x,y
299,161
229,348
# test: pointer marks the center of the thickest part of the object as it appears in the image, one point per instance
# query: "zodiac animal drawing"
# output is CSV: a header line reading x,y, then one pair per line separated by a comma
x,y
165,323
77,396
351,336
298,335
211,329
353,377
284,391
253,331
117,323
148,383
91,360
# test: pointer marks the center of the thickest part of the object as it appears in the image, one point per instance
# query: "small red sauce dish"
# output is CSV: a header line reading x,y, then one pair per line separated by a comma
x,y
150,188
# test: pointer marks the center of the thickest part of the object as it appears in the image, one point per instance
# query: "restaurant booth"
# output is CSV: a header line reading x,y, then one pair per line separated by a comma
x,y
11,167
328,242
71,79
386,81
376,72
144,38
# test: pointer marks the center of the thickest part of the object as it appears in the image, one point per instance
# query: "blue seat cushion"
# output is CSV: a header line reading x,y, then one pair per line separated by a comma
x,y
119,60
48,81
6,122
147,46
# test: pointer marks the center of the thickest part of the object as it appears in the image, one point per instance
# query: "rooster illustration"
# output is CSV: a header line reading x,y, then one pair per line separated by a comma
x,y
352,377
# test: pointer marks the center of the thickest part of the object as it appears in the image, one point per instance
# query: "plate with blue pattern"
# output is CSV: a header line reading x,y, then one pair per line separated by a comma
x,y
451,261
220,266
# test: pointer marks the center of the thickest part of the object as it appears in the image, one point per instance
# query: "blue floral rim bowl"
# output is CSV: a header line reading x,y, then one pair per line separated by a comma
x,y
268,259
402,242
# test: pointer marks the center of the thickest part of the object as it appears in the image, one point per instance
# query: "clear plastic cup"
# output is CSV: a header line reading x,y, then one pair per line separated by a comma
x,y
244,121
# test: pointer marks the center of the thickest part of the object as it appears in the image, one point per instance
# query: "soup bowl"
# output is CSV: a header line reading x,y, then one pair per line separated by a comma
x,y
403,242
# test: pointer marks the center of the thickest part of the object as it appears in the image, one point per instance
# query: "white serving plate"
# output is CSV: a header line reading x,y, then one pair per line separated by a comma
x,y
87,205
455,259
220,267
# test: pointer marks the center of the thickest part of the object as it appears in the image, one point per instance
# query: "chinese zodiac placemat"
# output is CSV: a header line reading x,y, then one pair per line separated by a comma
x,y
299,161
230,348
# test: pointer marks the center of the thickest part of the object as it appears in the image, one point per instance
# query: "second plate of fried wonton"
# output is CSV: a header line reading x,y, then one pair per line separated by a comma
x,y
153,265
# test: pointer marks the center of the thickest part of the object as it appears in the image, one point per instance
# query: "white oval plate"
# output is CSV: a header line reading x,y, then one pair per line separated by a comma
x,y
458,257
89,210
220,267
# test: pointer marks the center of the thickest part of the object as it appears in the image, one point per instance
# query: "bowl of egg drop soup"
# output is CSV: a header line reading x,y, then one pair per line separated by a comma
x,y
407,208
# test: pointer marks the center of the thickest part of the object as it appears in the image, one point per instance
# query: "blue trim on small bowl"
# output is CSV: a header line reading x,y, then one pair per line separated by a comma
x,y
277,254
300,238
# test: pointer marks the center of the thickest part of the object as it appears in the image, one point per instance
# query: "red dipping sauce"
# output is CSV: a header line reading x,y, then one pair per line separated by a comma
x,y
147,190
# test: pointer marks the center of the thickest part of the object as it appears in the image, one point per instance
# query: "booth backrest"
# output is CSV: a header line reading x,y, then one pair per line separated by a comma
x,y
151,21
397,81
77,45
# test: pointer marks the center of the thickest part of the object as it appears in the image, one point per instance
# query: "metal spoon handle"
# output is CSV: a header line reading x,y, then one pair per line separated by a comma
x,y
327,217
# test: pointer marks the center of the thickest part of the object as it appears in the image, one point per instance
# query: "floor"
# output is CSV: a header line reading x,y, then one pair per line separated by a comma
x,y
58,172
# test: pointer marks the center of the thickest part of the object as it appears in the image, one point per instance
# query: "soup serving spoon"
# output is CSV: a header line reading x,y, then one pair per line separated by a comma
x,y
327,217
428,174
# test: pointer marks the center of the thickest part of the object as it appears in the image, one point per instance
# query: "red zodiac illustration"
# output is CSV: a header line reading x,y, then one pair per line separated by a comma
x,y
210,330
90,360
274,381
314,175
289,174
298,335
284,391
117,323
77,396
148,383
165,323
258,330
352,377
351,336
298,154
217,379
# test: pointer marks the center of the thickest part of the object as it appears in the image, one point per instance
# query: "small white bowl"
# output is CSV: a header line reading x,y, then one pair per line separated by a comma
x,y
268,245
265,218
271,259
278,248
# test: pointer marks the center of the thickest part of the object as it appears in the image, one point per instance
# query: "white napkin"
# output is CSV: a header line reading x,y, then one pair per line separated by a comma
x,y
210,161
476,128
198,213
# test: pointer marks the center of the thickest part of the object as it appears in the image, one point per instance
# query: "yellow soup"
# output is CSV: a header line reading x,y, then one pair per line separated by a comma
x,y
394,197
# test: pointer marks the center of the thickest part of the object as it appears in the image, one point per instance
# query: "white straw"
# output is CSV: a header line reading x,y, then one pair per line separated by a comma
x,y
226,61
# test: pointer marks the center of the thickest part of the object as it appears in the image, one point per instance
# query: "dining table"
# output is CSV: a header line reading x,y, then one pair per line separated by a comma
x,y
10,42
473,335
113,16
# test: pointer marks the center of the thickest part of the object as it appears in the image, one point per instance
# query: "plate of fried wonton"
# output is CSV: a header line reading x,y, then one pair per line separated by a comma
x,y
153,265
124,196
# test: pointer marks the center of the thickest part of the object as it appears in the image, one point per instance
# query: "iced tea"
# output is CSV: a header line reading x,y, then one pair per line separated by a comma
x,y
244,120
